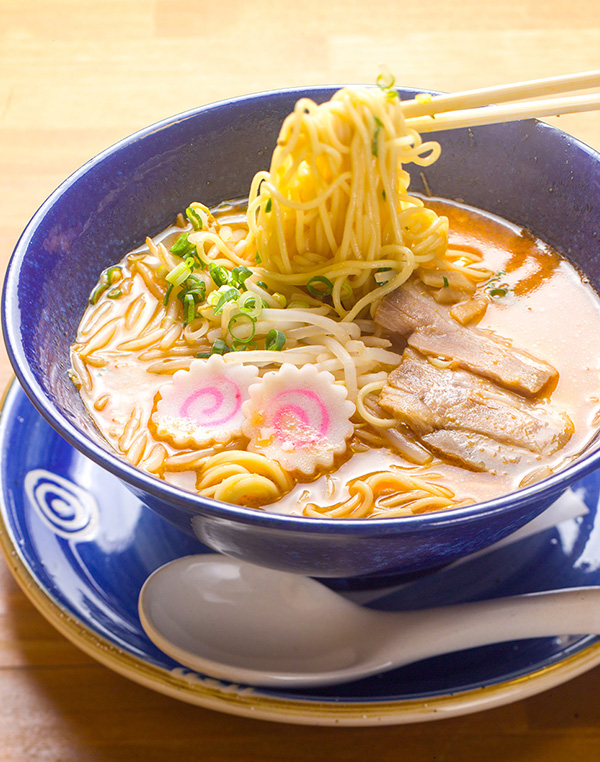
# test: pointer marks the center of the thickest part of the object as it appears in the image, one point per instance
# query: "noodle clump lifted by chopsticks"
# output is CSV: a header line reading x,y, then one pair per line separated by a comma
x,y
335,204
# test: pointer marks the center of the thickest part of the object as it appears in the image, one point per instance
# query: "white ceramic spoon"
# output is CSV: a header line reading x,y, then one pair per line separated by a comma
x,y
246,624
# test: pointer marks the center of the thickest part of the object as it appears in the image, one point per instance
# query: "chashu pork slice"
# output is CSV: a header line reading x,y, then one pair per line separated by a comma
x,y
430,399
480,453
430,330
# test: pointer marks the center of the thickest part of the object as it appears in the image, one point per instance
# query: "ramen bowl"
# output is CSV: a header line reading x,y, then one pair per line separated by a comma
x,y
526,172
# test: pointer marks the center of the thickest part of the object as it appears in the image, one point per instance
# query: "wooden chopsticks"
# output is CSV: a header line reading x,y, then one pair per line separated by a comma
x,y
472,107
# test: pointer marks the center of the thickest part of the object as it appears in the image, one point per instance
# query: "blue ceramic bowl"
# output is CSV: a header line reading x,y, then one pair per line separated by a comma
x,y
526,172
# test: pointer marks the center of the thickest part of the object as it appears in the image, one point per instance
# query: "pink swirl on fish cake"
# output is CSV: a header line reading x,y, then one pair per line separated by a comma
x,y
232,397
295,423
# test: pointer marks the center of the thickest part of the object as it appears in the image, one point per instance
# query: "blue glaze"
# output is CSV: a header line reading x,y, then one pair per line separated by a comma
x,y
93,569
526,171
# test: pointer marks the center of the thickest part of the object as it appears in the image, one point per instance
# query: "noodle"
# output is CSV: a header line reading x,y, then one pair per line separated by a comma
x,y
328,231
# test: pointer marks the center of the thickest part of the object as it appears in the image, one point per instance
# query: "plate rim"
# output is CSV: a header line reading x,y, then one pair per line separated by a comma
x,y
186,685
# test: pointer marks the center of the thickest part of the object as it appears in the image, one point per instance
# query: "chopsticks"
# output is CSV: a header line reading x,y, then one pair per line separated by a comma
x,y
472,107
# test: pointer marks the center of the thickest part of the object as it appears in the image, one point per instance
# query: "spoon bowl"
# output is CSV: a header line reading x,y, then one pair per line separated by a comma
x,y
246,624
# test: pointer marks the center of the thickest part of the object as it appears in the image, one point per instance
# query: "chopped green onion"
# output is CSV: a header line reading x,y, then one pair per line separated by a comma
x,y
346,292
316,289
385,79
220,348
250,304
219,274
237,345
375,143
496,289
113,271
275,340
246,319
239,276
179,274
182,246
262,284
194,285
221,297
114,293
382,281
268,205
97,292
257,258
107,279
496,276
194,218
168,294
446,284
189,308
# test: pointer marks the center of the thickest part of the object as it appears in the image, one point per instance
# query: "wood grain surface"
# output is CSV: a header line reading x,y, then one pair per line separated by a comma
x,y
77,75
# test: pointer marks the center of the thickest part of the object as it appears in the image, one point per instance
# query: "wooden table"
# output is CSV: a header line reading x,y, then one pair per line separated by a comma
x,y
75,76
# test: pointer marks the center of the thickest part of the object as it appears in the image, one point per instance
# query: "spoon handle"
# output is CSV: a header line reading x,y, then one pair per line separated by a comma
x,y
444,630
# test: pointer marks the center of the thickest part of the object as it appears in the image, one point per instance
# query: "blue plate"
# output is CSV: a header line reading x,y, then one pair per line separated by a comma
x,y
81,547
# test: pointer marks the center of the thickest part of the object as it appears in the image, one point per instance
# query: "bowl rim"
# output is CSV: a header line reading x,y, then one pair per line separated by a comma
x,y
546,488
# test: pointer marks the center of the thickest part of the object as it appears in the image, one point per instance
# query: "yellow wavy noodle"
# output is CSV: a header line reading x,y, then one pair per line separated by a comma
x,y
386,494
241,477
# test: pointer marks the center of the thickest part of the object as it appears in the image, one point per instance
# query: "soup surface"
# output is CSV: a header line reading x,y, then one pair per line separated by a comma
x,y
135,348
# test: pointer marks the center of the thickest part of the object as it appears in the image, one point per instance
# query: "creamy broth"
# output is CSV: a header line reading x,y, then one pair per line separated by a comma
x,y
120,391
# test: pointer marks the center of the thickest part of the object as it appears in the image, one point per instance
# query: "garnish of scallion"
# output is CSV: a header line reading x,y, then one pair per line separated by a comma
x,y
275,340
182,246
239,276
240,324
108,278
385,79
220,348
375,143
494,288
219,274
250,304
346,292
241,346
219,298
179,274
380,277
194,217
319,286
189,308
